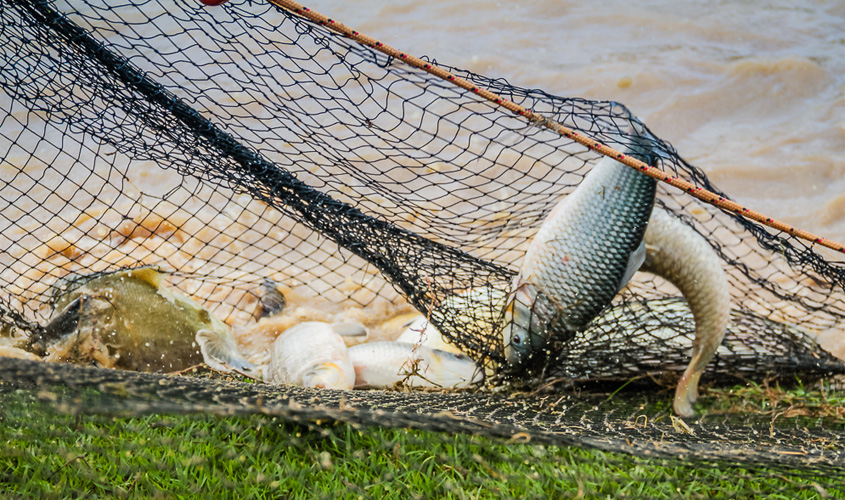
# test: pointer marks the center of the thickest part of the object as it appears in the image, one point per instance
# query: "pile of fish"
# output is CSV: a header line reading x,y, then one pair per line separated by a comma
x,y
315,354
128,320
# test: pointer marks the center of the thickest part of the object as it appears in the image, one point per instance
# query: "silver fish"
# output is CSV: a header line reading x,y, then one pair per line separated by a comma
x,y
384,364
586,250
683,257
313,354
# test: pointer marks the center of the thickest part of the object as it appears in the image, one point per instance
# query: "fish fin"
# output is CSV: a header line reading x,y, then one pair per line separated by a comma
x,y
635,261
350,329
220,352
149,274
651,253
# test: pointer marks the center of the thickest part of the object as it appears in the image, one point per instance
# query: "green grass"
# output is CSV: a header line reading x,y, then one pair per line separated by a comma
x,y
53,455
792,402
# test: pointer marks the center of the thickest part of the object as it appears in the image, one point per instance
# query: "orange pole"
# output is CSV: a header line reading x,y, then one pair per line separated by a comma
x,y
587,141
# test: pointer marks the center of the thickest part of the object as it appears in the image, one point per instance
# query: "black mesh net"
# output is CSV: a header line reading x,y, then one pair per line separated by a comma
x,y
246,143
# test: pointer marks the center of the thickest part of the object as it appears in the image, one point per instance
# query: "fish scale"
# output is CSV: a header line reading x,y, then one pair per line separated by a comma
x,y
595,266
584,253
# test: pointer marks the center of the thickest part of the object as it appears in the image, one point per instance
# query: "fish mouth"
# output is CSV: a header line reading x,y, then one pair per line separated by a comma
x,y
529,320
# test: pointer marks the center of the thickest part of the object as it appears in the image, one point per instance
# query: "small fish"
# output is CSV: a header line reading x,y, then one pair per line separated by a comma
x,y
384,364
313,354
586,250
271,301
124,319
683,257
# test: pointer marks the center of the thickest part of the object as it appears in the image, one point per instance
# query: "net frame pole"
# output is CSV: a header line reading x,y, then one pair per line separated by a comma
x,y
540,120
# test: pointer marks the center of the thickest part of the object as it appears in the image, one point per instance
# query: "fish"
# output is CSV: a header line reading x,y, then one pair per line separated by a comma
x,y
313,354
679,254
124,319
676,252
476,308
419,331
271,301
584,253
385,364
221,353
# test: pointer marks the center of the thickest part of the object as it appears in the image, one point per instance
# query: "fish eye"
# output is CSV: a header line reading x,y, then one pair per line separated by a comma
x,y
516,339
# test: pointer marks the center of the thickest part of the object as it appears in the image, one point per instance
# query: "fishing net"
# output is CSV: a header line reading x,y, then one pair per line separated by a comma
x,y
245,143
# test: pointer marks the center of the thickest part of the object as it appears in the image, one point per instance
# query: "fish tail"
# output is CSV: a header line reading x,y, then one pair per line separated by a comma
x,y
220,352
679,254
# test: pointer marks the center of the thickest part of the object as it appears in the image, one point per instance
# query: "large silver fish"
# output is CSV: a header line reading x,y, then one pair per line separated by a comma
x,y
684,258
384,364
586,250
419,331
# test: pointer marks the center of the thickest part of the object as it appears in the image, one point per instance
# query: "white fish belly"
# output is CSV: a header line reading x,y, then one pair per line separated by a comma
x,y
311,354
384,364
